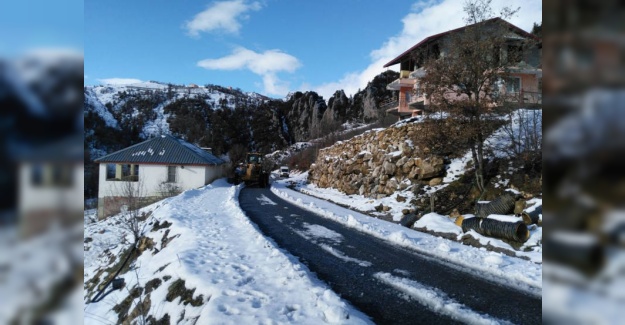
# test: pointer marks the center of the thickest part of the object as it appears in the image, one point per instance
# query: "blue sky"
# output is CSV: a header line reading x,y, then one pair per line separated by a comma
x,y
267,46
29,24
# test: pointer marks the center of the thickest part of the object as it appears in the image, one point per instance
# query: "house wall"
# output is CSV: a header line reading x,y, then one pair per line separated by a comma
x,y
50,197
214,172
39,205
529,82
529,87
152,179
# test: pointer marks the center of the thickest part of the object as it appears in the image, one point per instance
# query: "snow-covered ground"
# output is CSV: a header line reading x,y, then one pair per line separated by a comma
x,y
30,269
432,222
520,273
279,156
238,276
572,297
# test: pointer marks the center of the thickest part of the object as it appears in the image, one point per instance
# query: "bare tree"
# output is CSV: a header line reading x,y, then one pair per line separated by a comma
x,y
169,189
237,153
132,195
465,81
522,137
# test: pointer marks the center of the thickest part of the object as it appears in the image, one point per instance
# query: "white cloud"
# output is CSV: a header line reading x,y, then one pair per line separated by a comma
x,y
120,81
222,15
266,64
427,18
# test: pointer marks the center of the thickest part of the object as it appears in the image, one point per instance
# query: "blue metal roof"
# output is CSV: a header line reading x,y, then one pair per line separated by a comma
x,y
164,149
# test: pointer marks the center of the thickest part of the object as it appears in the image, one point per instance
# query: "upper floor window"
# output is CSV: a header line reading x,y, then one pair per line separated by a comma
x,y
513,85
515,53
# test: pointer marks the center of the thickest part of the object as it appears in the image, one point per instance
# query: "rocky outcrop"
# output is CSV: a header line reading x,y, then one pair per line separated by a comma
x,y
377,163
303,114
364,106
338,107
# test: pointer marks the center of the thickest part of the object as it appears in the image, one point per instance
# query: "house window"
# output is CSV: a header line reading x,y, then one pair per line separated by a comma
x,y
171,174
62,175
513,85
122,172
56,175
36,175
110,171
126,171
515,53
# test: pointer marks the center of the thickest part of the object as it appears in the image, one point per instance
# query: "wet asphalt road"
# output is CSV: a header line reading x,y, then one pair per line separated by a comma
x,y
360,256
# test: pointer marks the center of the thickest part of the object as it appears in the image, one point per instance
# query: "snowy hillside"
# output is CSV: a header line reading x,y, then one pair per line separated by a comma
x,y
107,99
194,267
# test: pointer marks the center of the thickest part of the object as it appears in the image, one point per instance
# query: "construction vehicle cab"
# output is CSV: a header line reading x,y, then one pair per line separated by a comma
x,y
254,172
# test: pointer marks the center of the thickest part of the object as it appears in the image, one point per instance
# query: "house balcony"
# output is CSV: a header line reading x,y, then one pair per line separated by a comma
x,y
403,107
404,81
524,97
526,69
417,74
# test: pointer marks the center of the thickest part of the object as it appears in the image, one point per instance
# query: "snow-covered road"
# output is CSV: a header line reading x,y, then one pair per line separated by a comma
x,y
388,282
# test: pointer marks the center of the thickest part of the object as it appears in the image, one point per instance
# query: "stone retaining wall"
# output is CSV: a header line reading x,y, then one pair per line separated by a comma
x,y
377,163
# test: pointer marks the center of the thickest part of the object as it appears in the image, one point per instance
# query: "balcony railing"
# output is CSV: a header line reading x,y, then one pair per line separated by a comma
x,y
524,97
397,84
389,103
417,74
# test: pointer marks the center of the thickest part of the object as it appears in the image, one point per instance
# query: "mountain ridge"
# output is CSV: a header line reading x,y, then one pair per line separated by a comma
x,y
222,118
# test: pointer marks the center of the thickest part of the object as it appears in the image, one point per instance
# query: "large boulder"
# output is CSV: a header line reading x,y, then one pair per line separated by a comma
x,y
431,167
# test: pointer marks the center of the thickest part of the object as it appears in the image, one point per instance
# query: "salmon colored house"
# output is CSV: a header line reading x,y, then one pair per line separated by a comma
x,y
524,82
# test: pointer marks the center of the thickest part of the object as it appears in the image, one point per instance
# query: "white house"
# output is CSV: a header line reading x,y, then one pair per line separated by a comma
x,y
50,185
152,170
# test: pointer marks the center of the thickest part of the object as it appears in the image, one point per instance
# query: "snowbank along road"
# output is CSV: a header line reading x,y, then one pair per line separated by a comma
x,y
391,284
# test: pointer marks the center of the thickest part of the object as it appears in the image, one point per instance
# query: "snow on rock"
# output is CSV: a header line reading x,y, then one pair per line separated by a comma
x,y
238,276
356,201
279,156
99,108
438,223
